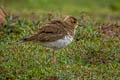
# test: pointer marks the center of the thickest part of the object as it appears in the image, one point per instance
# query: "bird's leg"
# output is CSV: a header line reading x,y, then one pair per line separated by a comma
x,y
54,57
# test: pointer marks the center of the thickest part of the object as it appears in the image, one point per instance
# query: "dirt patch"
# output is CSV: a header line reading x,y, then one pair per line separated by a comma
x,y
2,17
109,30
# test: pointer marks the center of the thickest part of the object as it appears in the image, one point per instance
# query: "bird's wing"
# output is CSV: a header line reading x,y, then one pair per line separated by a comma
x,y
48,33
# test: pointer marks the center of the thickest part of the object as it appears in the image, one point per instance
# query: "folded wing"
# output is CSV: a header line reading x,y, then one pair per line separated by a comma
x,y
48,33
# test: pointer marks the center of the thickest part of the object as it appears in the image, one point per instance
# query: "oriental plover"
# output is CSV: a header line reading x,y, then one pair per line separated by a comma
x,y
56,34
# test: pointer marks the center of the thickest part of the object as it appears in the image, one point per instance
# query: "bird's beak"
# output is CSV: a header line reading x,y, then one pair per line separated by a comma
x,y
79,25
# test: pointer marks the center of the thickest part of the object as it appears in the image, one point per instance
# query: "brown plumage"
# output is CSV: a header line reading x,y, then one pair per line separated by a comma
x,y
48,33
56,34
53,31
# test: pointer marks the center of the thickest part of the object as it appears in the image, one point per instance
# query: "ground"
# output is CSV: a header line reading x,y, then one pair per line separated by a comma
x,y
93,55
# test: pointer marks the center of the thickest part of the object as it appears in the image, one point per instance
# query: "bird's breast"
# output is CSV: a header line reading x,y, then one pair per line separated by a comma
x,y
61,43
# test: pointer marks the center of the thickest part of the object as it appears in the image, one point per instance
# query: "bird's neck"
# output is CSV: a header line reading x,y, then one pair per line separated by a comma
x,y
69,29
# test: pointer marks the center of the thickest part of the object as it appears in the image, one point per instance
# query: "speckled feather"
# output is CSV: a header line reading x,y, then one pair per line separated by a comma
x,y
56,34
50,32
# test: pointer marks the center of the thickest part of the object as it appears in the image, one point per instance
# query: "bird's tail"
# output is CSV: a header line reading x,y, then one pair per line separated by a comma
x,y
31,38
24,40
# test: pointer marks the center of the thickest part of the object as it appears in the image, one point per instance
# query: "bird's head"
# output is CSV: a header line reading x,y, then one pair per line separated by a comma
x,y
71,21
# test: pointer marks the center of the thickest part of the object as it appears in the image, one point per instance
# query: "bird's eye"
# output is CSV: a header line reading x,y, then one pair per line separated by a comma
x,y
74,22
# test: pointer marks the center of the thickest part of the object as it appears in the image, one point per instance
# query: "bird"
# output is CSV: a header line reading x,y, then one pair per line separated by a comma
x,y
56,34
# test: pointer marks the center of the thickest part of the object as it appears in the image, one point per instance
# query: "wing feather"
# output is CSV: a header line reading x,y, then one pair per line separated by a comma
x,y
48,33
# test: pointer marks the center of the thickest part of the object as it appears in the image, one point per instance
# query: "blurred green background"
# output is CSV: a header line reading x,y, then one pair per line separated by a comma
x,y
93,55
63,6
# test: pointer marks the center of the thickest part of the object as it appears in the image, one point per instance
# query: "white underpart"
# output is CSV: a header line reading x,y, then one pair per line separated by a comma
x,y
61,43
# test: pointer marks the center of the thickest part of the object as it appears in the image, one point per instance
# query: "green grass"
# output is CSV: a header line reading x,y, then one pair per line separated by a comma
x,y
93,55
89,57
61,6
